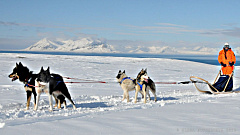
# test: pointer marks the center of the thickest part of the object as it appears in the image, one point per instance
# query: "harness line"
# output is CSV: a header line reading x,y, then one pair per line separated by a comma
x,y
93,81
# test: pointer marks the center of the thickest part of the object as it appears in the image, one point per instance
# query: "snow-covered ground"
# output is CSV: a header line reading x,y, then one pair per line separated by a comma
x,y
180,109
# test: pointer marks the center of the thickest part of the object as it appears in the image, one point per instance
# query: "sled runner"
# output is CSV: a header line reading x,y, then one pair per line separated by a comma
x,y
223,85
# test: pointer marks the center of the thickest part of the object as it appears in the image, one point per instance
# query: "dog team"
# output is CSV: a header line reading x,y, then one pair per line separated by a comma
x,y
53,85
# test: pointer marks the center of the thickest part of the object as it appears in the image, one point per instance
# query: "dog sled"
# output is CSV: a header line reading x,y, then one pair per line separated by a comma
x,y
223,84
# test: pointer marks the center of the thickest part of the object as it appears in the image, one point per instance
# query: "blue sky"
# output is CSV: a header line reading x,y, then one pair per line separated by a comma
x,y
173,23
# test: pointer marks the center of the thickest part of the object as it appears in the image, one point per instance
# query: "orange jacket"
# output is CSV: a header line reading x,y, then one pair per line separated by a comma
x,y
226,57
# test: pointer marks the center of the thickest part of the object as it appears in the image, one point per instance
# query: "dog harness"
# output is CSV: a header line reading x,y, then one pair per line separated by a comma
x,y
140,85
132,80
56,78
58,83
125,79
27,84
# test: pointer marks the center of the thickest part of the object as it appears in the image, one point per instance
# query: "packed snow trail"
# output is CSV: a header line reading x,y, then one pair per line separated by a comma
x,y
89,105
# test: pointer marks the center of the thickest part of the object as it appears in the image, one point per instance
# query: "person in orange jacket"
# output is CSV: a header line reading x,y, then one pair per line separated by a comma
x,y
227,59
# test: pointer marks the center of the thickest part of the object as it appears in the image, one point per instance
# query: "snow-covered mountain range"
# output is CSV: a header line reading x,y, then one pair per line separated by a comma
x,y
90,45
81,45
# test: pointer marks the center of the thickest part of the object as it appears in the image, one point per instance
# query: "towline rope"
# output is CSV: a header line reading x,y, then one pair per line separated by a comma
x,y
185,82
80,79
87,82
93,81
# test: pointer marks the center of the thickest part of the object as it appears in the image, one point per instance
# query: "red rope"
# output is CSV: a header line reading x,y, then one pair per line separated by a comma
x,y
32,85
166,83
187,82
79,79
71,82
93,81
87,82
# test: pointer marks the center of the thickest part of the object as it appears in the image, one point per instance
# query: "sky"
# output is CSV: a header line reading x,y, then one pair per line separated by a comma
x,y
175,23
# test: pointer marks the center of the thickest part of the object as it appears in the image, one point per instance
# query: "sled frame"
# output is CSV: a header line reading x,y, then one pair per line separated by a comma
x,y
211,86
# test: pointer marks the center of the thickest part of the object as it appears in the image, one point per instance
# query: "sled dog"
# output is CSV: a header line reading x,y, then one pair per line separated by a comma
x,y
127,84
144,84
28,78
52,84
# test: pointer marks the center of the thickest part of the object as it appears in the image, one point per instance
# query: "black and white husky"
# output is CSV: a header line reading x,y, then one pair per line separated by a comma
x,y
127,84
144,83
28,78
51,84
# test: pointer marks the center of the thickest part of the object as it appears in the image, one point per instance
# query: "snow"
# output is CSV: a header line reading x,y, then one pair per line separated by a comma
x,y
206,49
237,49
80,45
92,45
44,45
180,109
158,50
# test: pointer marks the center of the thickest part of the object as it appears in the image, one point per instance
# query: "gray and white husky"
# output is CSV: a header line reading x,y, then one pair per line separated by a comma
x,y
127,84
144,84
52,84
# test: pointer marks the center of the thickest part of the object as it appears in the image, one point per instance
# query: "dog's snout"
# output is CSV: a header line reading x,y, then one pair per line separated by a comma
x,y
10,76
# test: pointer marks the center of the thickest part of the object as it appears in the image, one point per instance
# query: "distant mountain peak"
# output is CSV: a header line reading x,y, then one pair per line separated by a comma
x,y
80,45
43,45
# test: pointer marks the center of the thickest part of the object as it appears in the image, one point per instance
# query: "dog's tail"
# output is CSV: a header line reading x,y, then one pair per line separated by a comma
x,y
152,85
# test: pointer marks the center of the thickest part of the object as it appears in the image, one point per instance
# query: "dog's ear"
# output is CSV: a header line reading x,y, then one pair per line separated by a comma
x,y
42,69
141,71
16,65
124,71
146,70
20,64
48,70
119,71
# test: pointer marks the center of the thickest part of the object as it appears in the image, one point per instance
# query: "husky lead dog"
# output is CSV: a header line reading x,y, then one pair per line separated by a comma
x,y
144,83
127,84
28,78
51,84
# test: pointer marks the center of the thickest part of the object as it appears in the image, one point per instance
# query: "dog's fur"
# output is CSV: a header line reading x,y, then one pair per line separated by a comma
x,y
147,84
126,84
51,84
28,78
